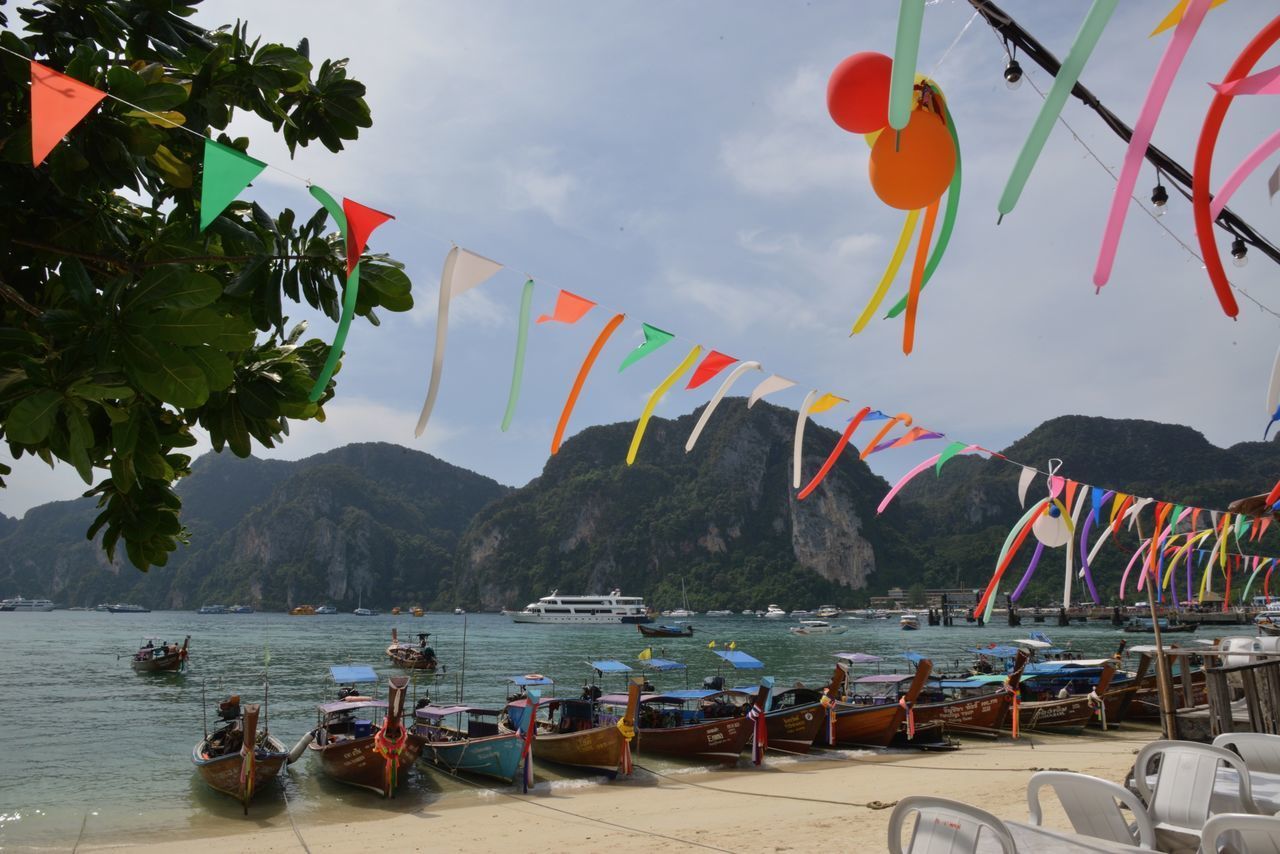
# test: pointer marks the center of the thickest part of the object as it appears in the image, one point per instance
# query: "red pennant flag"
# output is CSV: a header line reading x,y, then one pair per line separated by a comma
x,y
58,103
714,363
570,308
361,221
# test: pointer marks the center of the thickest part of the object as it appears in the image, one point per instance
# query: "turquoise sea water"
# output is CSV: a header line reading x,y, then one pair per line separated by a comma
x,y
92,751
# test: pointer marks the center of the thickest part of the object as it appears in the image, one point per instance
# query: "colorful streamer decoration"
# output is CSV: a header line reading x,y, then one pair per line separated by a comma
x,y
802,419
348,297
58,103
890,272
826,402
659,393
1201,171
1025,477
1157,93
1090,31
713,363
902,418
1256,158
1017,536
361,221
463,270
835,453
950,451
906,53
924,464
915,434
917,278
1263,83
522,340
733,377
768,386
654,339
583,371
570,308
1175,15
227,172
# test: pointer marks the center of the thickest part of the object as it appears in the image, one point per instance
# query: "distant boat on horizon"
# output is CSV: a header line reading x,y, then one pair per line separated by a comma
x,y
123,608
31,605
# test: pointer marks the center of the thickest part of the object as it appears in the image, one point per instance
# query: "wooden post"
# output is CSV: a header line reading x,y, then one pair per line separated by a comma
x,y
1168,719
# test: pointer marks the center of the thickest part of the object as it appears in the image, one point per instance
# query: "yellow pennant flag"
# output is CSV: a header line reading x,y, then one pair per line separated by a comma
x,y
711,645
645,654
827,401
1175,15
733,644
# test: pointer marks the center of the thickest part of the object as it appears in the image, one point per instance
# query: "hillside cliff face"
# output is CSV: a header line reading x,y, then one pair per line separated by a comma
x,y
723,520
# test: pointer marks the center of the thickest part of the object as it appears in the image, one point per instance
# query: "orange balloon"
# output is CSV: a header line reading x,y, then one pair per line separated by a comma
x,y
912,168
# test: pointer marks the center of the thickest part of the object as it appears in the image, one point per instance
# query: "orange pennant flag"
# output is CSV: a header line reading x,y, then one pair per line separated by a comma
x,y
58,103
570,308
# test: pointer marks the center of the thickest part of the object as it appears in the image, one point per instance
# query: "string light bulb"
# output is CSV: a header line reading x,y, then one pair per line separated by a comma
x,y
1239,252
1013,74
1159,198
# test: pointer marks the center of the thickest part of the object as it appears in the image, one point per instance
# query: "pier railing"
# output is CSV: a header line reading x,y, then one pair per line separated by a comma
x,y
1258,686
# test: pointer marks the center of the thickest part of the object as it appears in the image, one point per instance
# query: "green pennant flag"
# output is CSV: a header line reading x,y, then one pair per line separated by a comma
x,y
653,339
226,173
947,453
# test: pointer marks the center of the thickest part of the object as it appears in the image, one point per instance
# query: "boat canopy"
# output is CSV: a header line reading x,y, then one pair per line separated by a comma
x,y
858,657
353,673
346,706
998,651
913,657
663,664
684,696
609,665
739,659
883,677
621,699
530,679
972,681
437,712
1033,643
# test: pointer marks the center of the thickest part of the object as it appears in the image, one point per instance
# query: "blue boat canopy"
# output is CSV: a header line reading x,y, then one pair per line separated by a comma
x,y
352,673
530,679
663,664
739,659
609,665
976,682
684,695
913,657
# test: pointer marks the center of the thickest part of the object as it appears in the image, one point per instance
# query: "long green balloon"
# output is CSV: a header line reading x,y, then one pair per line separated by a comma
x,y
348,298
522,337
948,220
1086,40
902,80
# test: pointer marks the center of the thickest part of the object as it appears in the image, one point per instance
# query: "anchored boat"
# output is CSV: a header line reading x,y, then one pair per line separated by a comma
x,y
362,741
236,759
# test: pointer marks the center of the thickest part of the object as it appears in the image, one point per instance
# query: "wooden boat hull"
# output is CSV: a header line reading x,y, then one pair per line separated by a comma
x,y
222,773
412,662
357,762
870,726
597,749
985,713
658,632
164,664
719,740
794,729
496,756
1071,715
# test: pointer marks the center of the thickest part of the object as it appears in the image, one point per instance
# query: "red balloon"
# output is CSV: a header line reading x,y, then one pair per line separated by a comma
x,y
858,92
912,168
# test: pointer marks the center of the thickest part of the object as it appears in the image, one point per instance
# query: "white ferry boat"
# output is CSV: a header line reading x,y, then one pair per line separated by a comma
x,y
20,604
614,608
774,613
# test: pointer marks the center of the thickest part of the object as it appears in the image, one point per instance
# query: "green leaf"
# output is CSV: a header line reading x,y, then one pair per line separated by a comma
x,y
174,171
31,420
173,286
191,326
175,378
124,436
237,334
279,56
217,367
90,391
77,282
79,441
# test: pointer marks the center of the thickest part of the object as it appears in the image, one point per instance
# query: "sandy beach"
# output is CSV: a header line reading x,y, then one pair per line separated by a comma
x,y
787,806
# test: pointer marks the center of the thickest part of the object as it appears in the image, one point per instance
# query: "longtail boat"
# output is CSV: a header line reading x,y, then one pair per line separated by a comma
x,y
676,631
467,739
235,758
978,704
1070,714
412,656
362,741
870,724
575,734
792,716
157,656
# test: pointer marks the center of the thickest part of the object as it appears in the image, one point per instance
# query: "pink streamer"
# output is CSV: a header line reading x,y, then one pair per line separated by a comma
x,y
1263,83
1124,578
1174,53
1255,159
906,478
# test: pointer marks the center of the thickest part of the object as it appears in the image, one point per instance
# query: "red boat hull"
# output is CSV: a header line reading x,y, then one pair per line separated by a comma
x,y
984,713
718,740
869,726
357,763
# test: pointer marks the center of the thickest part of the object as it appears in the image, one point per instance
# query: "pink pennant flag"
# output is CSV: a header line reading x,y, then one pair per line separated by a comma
x,y
1263,83
570,308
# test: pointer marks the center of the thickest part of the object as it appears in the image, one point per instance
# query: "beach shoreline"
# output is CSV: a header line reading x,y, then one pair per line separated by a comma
x,y
782,806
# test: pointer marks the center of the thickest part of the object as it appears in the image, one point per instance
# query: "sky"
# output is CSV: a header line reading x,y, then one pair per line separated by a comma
x,y
675,161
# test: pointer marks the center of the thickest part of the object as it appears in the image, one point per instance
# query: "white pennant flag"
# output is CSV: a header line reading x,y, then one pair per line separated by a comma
x,y
769,385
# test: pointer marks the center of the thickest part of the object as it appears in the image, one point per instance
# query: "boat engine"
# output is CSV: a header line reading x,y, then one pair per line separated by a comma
x,y
229,709
713,683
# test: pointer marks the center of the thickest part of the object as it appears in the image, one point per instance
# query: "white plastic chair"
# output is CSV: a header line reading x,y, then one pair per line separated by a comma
x,y
945,827
1179,804
1090,805
1259,750
1239,833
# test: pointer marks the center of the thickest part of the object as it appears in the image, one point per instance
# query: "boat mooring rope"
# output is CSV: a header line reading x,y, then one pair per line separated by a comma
x,y
871,805
288,810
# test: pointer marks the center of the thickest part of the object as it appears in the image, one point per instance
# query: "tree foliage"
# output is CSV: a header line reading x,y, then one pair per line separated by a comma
x,y
123,329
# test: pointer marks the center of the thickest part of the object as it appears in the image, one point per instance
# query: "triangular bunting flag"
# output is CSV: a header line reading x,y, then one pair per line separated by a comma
x,y
768,385
645,654
876,415
653,339
570,308
714,363
827,401
1175,15
226,172
915,434
947,453
58,103
361,221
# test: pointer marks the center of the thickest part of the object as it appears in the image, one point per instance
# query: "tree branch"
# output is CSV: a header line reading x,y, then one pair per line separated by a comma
x,y
8,292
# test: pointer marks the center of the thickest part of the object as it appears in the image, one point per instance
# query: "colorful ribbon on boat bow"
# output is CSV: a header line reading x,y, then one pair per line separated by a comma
x,y
531,728
1095,700
759,733
628,733
829,706
248,755
1015,706
390,750
910,709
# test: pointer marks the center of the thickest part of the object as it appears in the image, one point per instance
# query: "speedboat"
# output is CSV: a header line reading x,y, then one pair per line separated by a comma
x,y
827,612
121,608
302,611
817,627
240,609
365,612
212,609
326,609
801,613
774,613
909,622
719,613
